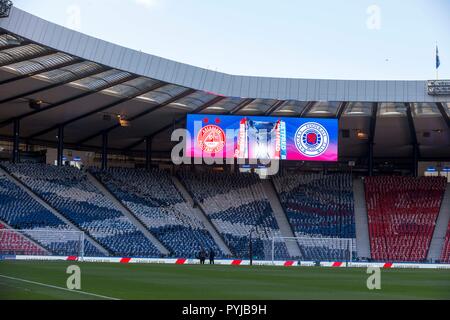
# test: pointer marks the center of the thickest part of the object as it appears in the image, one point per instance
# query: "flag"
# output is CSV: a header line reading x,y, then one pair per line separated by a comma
x,y
438,61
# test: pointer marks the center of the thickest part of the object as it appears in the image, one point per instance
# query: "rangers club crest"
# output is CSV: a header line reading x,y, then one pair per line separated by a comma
x,y
211,139
312,139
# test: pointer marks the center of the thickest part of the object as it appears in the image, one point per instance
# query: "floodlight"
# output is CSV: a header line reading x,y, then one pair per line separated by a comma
x,y
5,8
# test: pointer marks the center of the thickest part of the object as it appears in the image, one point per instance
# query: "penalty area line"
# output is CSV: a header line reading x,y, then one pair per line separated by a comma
x,y
59,288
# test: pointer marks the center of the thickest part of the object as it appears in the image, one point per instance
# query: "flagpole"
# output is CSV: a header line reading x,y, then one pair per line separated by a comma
x,y
437,61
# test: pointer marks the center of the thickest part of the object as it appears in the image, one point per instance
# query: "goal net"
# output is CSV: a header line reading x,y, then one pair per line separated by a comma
x,y
42,242
312,249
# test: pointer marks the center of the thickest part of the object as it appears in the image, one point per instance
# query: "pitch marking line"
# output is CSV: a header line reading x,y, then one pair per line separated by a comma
x,y
59,288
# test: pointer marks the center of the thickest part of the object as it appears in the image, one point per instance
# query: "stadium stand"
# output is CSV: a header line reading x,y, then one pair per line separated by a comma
x,y
445,256
319,206
23,213
402,213
152,197
16,244
68,190
236,205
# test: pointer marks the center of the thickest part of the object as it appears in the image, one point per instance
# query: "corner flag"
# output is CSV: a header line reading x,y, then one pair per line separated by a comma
x,y
438,61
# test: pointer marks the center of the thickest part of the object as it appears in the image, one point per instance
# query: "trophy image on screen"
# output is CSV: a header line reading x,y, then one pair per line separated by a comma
x,y
259,140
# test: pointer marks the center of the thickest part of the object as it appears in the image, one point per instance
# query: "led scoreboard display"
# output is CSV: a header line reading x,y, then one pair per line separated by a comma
x,y
256,137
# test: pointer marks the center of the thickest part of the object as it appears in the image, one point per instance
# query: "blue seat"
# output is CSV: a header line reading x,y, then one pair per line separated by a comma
x,y
153,198
70,192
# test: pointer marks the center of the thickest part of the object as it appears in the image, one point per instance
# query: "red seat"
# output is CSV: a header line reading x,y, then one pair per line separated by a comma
x,y
445,256
12,242
402,213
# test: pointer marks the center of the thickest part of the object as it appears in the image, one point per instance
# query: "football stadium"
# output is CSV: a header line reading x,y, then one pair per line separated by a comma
x,y
158,180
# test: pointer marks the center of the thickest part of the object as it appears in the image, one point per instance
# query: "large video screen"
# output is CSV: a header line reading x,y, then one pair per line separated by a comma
x,y
256,137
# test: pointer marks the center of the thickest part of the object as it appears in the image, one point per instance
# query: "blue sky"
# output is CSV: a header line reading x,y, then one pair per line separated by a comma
x,y
348,39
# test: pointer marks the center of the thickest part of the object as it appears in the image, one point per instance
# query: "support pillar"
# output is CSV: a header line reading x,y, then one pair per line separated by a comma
x,y
416,161
148,152
16,142
105,150
371,164
60,154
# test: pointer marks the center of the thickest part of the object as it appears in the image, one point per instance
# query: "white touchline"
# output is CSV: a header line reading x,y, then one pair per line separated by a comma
x,y
60,288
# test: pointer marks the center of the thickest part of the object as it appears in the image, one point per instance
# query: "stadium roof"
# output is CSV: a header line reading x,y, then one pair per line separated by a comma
x,y
87,85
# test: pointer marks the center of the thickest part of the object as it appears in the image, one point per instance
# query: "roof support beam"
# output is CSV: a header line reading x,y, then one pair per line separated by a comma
x,y
307,108
42,132
176,122
16,142
32,74
241,106
16,41
52,86
104,150
68,100
341,110
414,141
60,155
444,113
25,58
148,152
274,108
373,126
142,114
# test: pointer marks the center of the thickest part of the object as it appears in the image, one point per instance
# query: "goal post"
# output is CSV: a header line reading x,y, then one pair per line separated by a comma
x,y
42,242
313,249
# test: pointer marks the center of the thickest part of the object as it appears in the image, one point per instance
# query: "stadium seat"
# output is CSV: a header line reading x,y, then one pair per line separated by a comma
x,y
20,211
70,192
445,256
14,243
153,198
402,213
319,206
236,204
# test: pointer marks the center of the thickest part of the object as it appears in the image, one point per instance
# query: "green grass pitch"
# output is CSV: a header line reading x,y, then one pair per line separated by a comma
x,y
172,282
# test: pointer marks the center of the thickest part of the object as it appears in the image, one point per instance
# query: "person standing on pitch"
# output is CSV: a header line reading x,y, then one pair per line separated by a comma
x,y
202,256
212,255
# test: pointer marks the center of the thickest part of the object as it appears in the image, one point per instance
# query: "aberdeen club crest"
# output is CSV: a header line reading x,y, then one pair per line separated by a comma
x,y
211,139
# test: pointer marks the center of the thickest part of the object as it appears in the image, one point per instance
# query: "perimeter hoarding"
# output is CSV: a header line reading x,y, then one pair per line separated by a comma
x,y
257,137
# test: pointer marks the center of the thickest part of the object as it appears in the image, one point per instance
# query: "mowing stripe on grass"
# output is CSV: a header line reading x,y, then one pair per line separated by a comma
x,y
59,288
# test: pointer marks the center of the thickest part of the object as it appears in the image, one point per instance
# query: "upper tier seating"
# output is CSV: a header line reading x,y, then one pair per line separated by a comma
x,y
402,213
70,192
20,211
236,204
319,206
153,198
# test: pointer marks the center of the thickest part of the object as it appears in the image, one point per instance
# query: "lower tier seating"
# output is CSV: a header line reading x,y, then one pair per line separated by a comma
x,y
69,191
14,243
153,198
319,206
445,256
237,206
402,214
20,211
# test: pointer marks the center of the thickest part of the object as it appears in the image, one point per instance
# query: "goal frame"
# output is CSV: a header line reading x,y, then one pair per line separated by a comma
x,y
37,235
351,245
